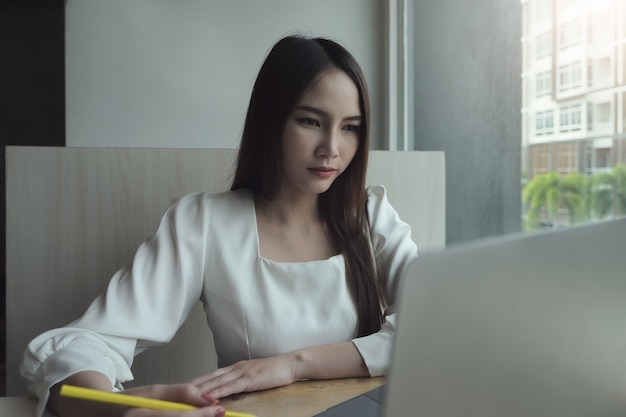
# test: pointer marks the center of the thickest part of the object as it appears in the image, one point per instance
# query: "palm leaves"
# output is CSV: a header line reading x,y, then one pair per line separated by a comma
x,y
555,200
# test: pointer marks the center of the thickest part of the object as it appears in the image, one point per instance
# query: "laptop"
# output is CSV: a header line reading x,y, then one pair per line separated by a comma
x,y
519,325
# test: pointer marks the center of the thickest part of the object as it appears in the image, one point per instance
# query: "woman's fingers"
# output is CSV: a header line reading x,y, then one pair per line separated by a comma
x,y
245,376
180,393
212,411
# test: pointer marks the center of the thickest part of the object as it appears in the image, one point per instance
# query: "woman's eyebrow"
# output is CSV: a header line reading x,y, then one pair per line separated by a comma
x,y
323,113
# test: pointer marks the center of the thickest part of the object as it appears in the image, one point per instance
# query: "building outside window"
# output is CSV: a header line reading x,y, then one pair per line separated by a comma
x,y
544,122
585,147
569,117
570,34
543,45
570,76
543,84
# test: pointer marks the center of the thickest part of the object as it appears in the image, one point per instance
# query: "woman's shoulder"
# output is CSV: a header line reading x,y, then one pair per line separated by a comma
x,y
201,203
376,197
222,198
380,212
376,192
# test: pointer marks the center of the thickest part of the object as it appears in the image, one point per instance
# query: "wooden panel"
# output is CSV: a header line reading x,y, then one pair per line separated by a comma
x,y
415,182
76,215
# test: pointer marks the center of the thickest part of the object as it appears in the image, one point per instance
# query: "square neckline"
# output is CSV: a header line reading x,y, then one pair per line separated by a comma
x,y
274,262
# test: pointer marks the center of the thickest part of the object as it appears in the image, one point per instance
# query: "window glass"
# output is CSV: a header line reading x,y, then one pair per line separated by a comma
x,y
543,46
574,171
543,85
570,34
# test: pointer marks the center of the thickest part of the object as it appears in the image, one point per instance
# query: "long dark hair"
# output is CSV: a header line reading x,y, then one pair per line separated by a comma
x,y
289,69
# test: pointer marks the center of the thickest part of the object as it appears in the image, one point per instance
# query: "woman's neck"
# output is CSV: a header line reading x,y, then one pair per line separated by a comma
x,y
288,210
292,231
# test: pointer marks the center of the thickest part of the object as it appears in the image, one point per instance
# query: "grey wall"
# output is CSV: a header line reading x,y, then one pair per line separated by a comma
x,y
178,74
167,73
467,103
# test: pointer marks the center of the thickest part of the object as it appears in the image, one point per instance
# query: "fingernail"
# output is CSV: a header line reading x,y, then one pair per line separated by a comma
x,y
207,396
220,412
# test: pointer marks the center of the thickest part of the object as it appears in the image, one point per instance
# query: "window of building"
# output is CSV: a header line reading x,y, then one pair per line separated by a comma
x,y
543,84
544,122
570,76
540,159
570,118
565,155
570,34
543,45
603,159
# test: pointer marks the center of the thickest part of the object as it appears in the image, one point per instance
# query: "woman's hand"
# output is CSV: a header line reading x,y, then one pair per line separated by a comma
x,y
249,375
182,393
339,360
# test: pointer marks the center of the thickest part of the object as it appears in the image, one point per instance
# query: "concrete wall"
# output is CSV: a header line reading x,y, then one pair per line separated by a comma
x,y
162,73
467,91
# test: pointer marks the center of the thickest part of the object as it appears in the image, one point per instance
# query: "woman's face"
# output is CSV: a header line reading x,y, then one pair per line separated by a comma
x,y
321,135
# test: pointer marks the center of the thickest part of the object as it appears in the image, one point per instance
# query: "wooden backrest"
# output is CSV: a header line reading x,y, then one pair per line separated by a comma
x,y
77,215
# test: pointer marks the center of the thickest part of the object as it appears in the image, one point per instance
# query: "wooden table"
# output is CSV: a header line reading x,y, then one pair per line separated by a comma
x,y
302,399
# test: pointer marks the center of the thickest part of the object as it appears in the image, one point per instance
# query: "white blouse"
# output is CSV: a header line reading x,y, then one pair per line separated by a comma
x,y
207,248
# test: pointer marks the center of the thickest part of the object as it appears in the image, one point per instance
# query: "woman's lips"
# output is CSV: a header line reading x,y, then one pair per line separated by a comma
x,y
323,172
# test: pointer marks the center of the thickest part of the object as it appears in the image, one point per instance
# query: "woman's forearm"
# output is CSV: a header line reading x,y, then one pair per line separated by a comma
x,y
340,360
70,407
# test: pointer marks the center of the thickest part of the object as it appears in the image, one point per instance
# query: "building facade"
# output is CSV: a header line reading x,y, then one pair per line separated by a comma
x,y
574,86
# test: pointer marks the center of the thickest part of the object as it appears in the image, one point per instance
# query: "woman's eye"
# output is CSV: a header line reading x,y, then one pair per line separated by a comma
x,y
352,128
308,121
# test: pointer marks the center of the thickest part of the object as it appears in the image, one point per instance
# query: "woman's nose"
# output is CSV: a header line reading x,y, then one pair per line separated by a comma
x,y
328,146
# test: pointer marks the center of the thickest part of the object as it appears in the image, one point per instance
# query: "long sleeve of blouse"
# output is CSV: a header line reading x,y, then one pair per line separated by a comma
x,y
206,248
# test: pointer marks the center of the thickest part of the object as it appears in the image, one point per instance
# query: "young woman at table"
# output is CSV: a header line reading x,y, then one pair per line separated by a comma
x,y
297,265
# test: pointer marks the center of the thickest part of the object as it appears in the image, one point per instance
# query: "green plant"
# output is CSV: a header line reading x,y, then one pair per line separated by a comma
x,y
608,193
549,197
541,194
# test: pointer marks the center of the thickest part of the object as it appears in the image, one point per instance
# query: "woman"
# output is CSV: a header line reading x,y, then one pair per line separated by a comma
x,y
297,265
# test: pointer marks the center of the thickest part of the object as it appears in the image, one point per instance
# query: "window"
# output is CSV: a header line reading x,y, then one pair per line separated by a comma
x,y
540,159
565,158
602,159
570,34
543,45
570,76
570,117
544,122
543,84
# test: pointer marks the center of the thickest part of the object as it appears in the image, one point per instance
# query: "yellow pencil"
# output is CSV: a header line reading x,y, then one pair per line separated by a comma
x,y
131,400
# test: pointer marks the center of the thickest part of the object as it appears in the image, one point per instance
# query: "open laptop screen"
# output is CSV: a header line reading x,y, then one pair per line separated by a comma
x,y
523,325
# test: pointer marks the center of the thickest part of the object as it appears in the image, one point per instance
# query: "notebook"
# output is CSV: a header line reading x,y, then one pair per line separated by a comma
x,y
519,325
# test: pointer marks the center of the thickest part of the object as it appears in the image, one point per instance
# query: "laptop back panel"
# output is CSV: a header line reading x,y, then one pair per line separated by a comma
x,y
525,325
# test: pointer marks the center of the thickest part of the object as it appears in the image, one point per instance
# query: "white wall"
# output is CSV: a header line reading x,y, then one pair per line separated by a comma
x,y
178,73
